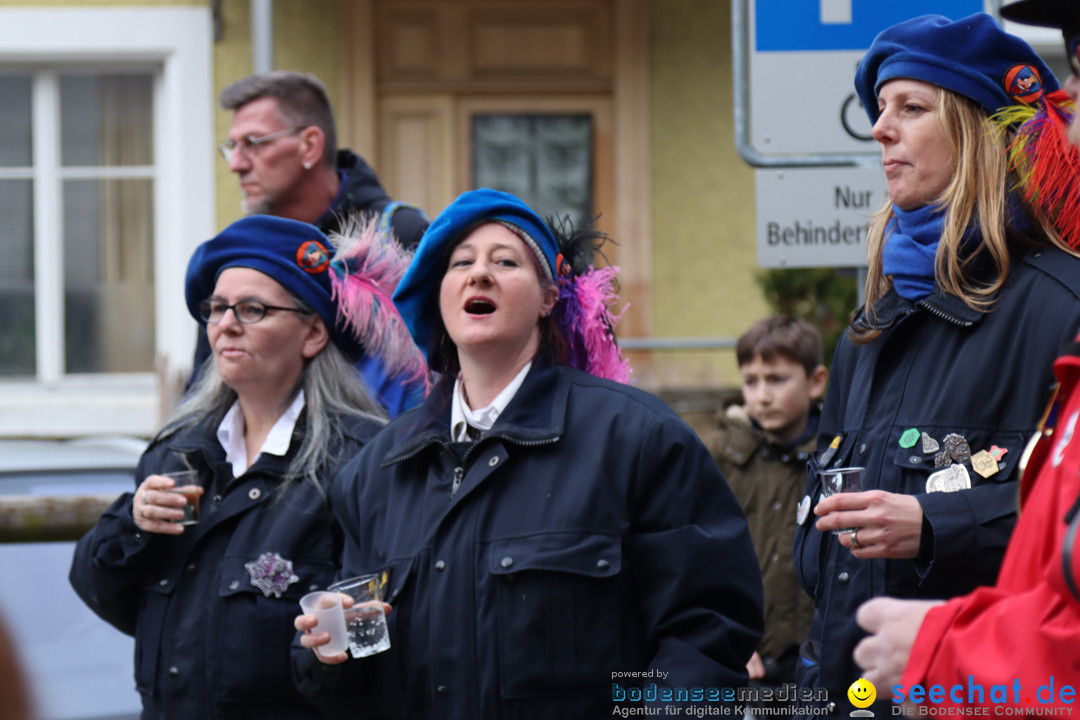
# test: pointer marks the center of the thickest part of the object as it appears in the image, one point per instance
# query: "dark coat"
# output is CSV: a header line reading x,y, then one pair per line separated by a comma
x,y
590,534
208,642
938,367
361,192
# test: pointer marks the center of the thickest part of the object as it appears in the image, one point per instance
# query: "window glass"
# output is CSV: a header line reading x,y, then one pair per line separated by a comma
x,y
108,276
546,160
106,120
17,327
15,140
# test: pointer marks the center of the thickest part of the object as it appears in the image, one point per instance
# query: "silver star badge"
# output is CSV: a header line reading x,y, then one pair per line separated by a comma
x,y
271,573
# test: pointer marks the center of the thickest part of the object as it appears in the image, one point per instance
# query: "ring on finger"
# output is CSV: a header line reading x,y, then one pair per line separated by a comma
x,y
855,538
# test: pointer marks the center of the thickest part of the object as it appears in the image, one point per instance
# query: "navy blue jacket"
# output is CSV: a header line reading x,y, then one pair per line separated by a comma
x,y
208,642
590,534
938,367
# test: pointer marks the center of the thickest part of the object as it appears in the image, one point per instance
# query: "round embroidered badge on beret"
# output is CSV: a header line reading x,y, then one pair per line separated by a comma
x,y
1023,84
293,253
312,257
971,56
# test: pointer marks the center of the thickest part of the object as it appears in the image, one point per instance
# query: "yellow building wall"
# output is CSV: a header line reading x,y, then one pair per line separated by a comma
x,y
306,39
704,237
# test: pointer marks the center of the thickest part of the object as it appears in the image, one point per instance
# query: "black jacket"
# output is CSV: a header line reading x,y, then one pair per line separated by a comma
x,y
590,534
938,368
208,642
361,192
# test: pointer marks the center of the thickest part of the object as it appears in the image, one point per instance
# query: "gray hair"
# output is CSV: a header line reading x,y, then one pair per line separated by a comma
x,y
302,100
332,389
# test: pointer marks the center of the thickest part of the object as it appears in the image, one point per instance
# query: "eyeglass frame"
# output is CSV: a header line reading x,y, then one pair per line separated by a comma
x,y
248,144
205,310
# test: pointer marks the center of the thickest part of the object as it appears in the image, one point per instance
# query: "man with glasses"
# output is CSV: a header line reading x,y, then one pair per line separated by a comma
x,y
1015,645
282,145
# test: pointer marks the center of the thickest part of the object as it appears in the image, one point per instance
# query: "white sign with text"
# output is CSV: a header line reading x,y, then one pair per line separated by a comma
x,y
816,217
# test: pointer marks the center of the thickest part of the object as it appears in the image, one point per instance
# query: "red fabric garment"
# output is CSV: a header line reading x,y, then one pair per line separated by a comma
x,y
1027,627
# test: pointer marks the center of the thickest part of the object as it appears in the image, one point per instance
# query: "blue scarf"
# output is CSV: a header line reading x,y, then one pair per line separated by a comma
x,y
910,249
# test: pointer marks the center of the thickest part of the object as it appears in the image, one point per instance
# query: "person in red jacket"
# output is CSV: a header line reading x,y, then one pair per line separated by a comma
x,y
1015,647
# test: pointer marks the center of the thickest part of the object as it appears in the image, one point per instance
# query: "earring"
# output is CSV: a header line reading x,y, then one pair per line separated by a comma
x,y
307,166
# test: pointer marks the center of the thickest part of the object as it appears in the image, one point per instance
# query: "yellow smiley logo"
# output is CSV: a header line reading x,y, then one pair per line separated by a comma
x,y
862,693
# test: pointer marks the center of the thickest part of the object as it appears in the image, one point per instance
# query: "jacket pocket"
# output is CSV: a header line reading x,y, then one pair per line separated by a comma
x,y
559,619
255,631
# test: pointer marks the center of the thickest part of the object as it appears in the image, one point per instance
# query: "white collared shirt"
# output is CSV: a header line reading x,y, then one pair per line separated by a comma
x,y
230,434
462,417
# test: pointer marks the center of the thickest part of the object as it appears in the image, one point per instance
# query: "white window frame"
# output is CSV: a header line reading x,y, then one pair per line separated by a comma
x,y
179,41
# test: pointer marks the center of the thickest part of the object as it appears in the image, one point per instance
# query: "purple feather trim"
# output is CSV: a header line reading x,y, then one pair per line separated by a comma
x,y
588,325
367,268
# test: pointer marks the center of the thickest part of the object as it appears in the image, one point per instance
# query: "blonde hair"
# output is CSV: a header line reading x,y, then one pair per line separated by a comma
x,y
978,195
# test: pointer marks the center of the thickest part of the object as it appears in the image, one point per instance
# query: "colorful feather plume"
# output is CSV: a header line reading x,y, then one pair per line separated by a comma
x,y
583,312
1047,164
366,268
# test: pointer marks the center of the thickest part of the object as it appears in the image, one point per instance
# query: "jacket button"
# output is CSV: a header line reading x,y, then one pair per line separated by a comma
x,y
254,493
440,565
137,537
442,690
775,557
163,582
862,448
506,562
234,584
776,505
602,564
843,578
174,671
493,461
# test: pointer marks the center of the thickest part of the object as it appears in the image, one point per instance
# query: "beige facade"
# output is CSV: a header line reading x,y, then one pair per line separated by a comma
x,y
405,76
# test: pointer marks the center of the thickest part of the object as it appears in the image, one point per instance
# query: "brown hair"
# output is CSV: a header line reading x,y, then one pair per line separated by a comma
x,y
781,336
302,102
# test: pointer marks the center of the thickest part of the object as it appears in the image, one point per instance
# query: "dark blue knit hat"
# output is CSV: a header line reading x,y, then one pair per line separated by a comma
x,y
972,56
417,295
294,253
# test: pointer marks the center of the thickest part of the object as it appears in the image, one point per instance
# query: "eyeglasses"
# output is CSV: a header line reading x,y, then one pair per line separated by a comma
x,y
249,144
245,311
1072,49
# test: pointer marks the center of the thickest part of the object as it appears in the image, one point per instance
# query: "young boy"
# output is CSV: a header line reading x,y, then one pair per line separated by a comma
x,y
763,457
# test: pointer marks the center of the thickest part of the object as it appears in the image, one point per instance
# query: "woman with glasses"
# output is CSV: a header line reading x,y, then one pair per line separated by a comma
x,y
277,412
973,289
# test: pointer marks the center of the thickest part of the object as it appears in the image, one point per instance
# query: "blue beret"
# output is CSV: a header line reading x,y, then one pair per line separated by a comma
x,y
294,253
1063,14
417,295
972,56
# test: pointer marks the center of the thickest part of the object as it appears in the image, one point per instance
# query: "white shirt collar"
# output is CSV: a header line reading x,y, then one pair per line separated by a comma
x,y
462,416
230,434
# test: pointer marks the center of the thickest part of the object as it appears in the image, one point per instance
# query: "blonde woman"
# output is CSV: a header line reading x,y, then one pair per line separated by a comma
x,y
944,373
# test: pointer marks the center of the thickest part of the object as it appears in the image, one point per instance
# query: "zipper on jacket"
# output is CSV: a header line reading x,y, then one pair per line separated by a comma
x,y
943,315
459,473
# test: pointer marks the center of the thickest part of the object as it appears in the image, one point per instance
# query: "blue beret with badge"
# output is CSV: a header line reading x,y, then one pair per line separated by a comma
x,y
295,254
971,56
